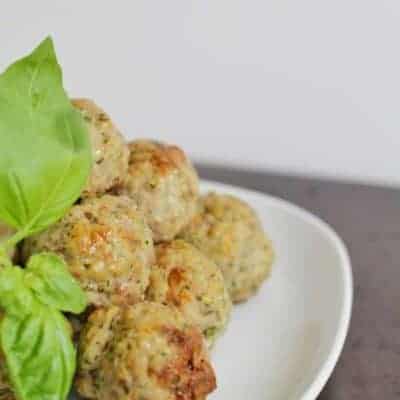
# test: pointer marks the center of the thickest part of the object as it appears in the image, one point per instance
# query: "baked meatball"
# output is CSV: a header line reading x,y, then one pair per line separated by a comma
x,y
107,245
185,278
142,352
229,232
164,184
110,152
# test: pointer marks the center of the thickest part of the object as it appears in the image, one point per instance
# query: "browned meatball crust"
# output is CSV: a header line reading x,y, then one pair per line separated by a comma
x,y
164,184
107,245
143,352
185,278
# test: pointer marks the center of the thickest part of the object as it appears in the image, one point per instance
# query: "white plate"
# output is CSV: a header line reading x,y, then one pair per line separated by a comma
x,y
284,343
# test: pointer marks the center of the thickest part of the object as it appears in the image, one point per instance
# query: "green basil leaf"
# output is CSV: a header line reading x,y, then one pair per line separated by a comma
x,y
15,297
4,259
40,357
45,153
49,278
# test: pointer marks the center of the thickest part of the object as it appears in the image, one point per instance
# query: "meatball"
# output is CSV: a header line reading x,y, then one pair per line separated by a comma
x,y
110,153
229,232
107,245
185,278
164,184
142,352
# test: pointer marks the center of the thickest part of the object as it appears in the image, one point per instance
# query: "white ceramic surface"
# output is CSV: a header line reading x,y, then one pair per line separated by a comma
x,y
284,343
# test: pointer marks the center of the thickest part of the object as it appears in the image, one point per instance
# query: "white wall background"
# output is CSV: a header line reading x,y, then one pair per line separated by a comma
x,y
309,86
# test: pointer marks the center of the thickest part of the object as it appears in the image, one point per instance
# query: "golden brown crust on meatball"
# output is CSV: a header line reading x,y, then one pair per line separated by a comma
x,y
197,376
110,153
185,278
107,245
164,184
143,352
228,231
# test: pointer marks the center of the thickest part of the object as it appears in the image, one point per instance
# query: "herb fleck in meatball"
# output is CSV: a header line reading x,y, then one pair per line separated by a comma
x,y
165,186
142,352
110,153
107,245
229,232
185,278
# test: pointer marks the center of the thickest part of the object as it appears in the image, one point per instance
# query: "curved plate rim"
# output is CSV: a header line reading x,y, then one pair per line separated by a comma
x,y
327,367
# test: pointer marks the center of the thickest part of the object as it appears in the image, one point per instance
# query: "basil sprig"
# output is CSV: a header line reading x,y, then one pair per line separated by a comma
x,y
34,334
45,161
45,154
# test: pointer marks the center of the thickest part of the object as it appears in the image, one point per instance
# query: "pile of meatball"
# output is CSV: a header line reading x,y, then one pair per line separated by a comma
x,y
161,266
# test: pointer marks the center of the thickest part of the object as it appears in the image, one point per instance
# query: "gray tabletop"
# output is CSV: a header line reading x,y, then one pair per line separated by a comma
x,y
368,219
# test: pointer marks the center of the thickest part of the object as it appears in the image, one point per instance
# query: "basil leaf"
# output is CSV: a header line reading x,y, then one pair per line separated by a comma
x,y
45,154
39,354
4,259
34,336
49,278
15,297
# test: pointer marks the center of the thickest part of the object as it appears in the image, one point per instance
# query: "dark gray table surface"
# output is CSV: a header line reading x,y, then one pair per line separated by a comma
x,y
368,219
